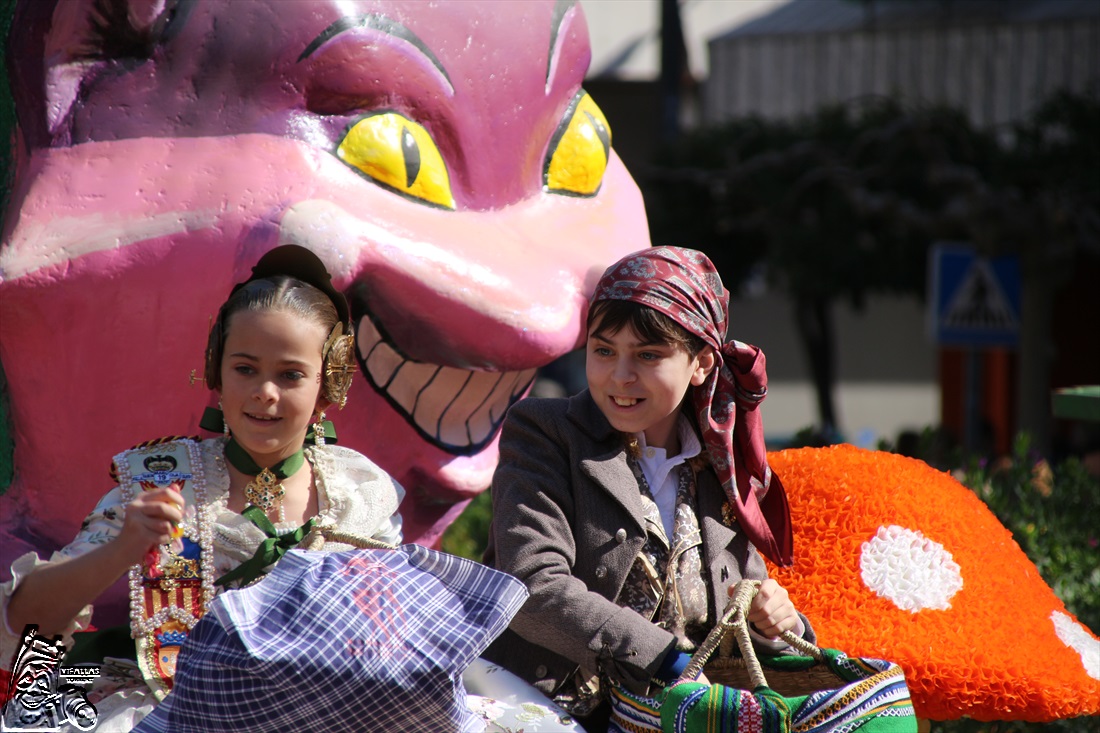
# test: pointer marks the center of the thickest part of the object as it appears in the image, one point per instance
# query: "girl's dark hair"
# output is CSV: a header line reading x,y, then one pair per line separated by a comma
x,y
610,316
287,294
276,293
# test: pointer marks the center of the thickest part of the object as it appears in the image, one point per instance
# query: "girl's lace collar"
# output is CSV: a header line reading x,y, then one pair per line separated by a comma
x,y
330,494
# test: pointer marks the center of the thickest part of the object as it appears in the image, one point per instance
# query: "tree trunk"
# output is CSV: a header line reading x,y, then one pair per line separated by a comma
x,y
1039,286
814,320
673,64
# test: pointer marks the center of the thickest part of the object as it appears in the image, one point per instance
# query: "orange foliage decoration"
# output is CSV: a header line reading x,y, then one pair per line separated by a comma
x,y
1000,646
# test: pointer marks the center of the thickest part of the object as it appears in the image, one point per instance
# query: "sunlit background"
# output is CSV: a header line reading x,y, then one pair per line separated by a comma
x,y
852,344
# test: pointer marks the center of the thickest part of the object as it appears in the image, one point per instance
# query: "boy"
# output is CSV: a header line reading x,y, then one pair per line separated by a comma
x,y
630,509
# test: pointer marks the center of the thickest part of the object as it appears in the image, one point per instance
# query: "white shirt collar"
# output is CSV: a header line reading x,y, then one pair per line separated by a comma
x,y
657,468
689,444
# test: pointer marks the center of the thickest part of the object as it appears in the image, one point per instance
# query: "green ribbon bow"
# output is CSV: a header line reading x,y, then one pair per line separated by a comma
x,y
269,551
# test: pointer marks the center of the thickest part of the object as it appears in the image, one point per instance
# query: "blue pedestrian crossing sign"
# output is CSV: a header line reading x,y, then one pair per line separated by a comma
x,y
975,301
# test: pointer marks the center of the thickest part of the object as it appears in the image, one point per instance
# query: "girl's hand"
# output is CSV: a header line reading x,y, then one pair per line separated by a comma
x,y
150,520
771,611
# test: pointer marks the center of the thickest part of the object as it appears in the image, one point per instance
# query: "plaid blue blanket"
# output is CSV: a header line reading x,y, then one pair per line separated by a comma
x,y
360,640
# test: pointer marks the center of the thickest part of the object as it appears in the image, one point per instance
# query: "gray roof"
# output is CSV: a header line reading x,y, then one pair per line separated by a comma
x,y
838,16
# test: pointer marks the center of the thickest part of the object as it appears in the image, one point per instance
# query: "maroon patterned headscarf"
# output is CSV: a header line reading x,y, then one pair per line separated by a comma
x,y
683,284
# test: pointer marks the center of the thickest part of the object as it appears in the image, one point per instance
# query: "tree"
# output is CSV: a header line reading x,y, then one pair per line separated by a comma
x,y
1040,200
835,206
847,202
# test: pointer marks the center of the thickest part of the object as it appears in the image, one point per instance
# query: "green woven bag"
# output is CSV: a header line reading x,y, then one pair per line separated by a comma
x,y
865,694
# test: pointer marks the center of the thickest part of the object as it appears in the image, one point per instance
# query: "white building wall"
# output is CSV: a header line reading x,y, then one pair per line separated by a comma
x,y
626,34
886,367
997,73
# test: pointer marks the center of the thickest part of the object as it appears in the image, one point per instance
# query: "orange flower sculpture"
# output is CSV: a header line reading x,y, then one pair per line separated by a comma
x,y
896,560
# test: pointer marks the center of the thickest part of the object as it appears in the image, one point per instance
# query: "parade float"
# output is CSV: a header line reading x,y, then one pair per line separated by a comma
x,y
447,165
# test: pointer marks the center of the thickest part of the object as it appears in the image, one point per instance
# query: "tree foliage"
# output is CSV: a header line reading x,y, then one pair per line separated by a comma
x,y
839,204
847,202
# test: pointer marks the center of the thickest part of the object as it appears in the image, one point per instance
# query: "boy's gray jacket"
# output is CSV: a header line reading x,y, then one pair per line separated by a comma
x,y
567,521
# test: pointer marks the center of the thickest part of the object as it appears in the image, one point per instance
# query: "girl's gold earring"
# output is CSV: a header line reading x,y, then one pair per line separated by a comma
x,y
319,429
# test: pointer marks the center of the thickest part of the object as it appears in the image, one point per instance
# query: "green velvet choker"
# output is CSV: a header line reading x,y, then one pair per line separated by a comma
x,y
266,489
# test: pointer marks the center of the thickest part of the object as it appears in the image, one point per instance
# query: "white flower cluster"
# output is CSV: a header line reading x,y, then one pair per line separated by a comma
x,y
1077,638
909,569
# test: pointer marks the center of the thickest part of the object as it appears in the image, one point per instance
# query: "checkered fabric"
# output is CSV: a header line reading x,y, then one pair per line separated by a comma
x,y
365,640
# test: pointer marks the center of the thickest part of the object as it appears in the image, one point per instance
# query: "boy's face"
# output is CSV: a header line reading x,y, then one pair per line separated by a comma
x,y
639,386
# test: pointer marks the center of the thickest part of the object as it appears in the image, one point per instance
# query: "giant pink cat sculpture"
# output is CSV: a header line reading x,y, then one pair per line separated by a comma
x,y
442,159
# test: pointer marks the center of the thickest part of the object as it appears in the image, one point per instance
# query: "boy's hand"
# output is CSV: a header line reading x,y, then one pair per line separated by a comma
x,y
150,520
772,612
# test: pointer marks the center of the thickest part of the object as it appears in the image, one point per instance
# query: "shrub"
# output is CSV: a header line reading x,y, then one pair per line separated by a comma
x,y
469,533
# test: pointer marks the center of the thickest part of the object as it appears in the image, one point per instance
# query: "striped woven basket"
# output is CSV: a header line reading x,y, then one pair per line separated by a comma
x,y
786,674
824,690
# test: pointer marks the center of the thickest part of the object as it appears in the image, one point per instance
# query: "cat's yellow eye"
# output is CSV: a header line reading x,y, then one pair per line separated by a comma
x,y
579,150
400,154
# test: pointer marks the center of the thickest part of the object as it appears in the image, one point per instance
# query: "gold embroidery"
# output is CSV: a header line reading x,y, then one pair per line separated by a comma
x,y
182,567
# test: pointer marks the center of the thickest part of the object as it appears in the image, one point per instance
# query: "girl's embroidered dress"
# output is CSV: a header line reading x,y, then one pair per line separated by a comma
x,y
353,495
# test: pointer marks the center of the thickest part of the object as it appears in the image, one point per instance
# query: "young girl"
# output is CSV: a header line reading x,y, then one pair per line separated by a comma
x,y
632,508
191,517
